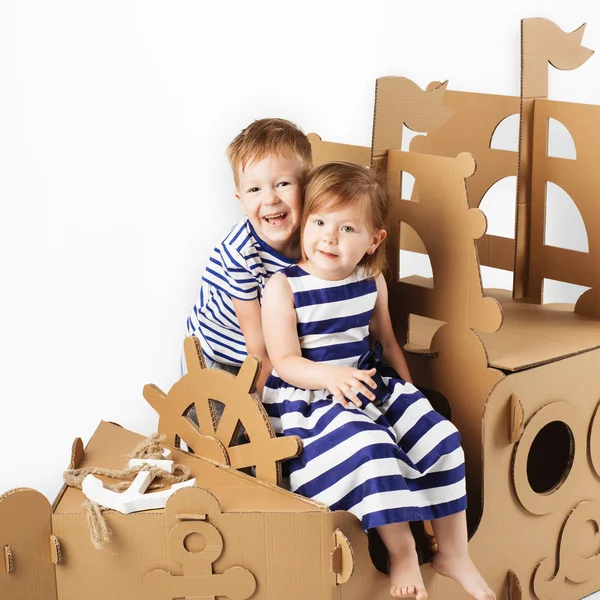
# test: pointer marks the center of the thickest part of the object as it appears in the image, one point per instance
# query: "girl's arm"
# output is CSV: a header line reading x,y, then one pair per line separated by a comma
x,y
381,329
248,315
283,346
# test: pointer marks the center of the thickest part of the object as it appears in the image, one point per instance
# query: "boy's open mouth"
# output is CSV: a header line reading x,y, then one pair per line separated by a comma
x,y
275,220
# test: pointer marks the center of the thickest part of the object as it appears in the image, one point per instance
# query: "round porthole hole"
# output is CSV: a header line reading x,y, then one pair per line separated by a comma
x,y
550,457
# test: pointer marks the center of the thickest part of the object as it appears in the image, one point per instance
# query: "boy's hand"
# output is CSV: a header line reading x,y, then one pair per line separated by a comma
x,y
347,382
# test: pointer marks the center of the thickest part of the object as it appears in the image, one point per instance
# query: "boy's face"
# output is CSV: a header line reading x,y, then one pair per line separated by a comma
x,y
270,191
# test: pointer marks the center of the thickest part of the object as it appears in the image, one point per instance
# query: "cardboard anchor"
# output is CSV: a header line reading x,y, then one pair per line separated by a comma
x,y
516,376
190,567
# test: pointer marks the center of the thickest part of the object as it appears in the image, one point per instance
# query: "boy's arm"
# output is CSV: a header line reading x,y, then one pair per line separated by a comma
x,y
381,329
249,317
283,345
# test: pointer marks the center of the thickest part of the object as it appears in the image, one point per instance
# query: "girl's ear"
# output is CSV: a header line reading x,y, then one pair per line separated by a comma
x,y
378,237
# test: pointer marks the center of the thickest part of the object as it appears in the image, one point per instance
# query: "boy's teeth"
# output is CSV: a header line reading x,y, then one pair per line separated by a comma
x,y
274,217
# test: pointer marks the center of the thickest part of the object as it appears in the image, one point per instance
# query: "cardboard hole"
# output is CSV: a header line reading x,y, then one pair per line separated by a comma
x,y
560,141
184,446
506,134
194,543
407,138
560,291
494,278
413,259
564,227
498,205
550,457
190,414
407,192
240,436
422,329
414,263
179,443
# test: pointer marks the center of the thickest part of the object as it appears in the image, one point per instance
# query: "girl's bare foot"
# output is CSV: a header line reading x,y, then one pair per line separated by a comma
x,y
461,568
405,576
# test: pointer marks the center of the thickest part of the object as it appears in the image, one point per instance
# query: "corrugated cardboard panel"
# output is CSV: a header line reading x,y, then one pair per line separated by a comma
x,y
286,552
533,334
276,535
530,335
26,568
323,152
476,117
547,514
138,545
580,179
398,102
542,43
447,227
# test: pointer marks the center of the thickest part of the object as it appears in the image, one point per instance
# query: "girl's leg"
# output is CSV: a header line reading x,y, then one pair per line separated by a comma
x,y
452,558
405,575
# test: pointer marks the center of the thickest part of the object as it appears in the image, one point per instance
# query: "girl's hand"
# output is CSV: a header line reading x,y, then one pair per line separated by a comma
x,y
347,382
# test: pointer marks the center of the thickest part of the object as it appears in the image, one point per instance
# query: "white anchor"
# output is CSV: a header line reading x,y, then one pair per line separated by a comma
x,y
134,499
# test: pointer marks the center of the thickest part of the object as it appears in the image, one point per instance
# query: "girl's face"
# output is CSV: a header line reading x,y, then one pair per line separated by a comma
x,y
335,241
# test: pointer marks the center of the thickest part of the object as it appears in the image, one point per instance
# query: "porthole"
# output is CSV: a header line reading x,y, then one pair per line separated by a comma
x,y
546,455
550,457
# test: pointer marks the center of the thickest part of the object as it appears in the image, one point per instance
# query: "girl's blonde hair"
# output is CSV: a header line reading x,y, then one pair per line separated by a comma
x,y
334,185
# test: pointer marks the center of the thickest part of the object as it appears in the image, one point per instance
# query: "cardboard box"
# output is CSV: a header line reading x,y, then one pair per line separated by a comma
x,y
519,378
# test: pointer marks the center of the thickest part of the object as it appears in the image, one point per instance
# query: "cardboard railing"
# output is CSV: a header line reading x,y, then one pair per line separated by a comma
x,y
519,378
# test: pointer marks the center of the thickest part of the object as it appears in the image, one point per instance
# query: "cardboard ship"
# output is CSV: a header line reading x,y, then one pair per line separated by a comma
x,y
519,378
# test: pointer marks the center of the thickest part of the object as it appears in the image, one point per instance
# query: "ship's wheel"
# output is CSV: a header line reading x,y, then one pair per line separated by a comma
x,y
217,438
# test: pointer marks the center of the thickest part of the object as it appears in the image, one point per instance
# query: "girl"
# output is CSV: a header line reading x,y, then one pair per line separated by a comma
x,y
378,450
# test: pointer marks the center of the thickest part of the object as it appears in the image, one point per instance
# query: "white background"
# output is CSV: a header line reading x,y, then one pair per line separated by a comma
x,y
114,119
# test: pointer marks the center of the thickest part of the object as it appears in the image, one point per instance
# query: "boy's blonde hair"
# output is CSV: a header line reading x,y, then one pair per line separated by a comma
x,y
334,185
269,136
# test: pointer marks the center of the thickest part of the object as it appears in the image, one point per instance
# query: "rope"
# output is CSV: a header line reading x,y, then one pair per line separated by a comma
x,y
149,448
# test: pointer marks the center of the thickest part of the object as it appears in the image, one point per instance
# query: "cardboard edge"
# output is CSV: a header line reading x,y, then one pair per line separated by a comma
x,y
77,454
344,552
483,455
10,558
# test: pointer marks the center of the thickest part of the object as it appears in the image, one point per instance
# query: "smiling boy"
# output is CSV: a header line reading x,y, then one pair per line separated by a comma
x,y
270,160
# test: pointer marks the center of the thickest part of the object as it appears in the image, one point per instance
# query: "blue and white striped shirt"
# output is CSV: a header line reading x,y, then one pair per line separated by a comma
x,y
239,267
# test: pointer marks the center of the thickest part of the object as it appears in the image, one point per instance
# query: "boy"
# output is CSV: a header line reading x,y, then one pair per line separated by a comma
x,y
269,159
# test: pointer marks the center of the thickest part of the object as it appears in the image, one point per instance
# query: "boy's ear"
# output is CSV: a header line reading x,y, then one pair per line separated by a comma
x,y
237,194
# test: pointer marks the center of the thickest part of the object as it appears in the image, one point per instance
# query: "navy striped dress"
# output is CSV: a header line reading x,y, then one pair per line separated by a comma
x,y
400,461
